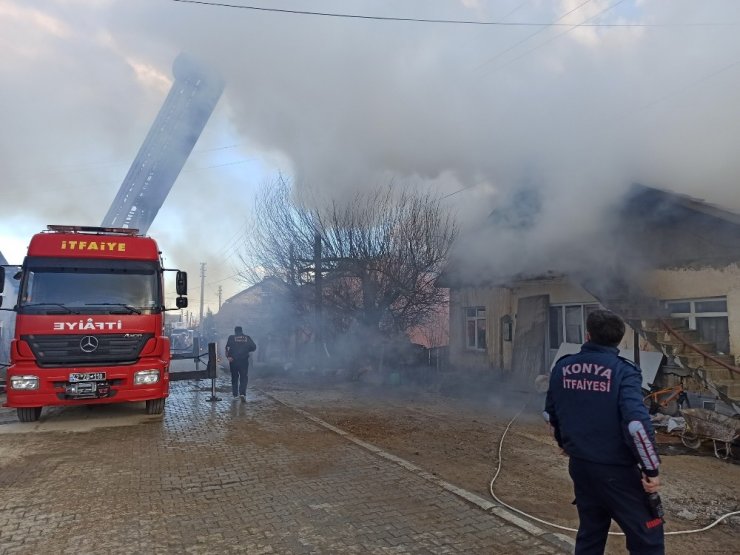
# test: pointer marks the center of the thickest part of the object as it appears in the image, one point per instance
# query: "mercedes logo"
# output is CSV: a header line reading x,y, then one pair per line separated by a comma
x,y
88,344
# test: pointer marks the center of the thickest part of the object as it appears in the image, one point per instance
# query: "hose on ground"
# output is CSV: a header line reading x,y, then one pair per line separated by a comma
x,y
558,526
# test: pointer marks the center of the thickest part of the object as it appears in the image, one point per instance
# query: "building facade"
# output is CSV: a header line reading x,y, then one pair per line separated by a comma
x,y
684,303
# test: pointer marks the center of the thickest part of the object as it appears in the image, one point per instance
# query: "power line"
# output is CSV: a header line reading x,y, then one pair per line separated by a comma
x,y
572,28
515,9
244,161
233,249
234,242
104,165
686,87
198,288
228,258
443,21
235,238
99,185
198,151
221,280
525,39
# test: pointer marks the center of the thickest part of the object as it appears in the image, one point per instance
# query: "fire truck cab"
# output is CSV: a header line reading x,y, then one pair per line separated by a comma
x,y
89,324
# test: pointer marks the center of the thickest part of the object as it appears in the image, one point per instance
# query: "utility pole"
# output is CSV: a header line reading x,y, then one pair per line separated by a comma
x,y
202,290
315,266
319,290
220,290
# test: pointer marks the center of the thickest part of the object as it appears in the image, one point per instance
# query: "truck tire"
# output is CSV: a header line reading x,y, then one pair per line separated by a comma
x,y
28,414
155,406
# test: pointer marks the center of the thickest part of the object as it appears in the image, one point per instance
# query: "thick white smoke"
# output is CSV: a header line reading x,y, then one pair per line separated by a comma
x,y
579,113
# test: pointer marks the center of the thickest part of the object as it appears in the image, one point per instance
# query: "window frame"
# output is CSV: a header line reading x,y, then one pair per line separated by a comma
x,y
692,316
475,320
563,324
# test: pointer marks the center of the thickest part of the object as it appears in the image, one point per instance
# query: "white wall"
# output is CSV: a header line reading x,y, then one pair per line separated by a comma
x,y
697,283
501,301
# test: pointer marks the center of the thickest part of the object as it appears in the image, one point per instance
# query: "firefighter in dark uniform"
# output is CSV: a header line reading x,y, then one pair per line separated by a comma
x,y
238,347
597,416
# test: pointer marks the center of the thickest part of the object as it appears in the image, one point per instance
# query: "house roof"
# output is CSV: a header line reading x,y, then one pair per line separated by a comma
x,y
648,227
268,283
649,197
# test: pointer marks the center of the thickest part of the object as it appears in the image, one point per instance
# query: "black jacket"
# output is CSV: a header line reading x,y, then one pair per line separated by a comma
x,y
595,407
238,347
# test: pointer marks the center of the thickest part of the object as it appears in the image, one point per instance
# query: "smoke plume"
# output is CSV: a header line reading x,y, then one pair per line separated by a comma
x,y
479,113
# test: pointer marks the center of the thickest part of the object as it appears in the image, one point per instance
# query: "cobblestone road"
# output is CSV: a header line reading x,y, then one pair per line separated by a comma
x,y
229,477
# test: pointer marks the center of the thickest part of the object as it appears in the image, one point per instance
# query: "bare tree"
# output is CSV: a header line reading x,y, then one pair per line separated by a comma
x,y
381,252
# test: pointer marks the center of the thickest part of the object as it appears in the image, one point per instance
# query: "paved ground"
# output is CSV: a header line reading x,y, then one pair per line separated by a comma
x,y
255,477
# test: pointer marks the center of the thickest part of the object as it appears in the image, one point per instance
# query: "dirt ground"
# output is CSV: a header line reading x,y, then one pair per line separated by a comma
x,y
458,438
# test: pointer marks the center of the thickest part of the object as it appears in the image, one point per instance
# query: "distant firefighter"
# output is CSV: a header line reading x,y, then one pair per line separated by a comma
x,y
238,347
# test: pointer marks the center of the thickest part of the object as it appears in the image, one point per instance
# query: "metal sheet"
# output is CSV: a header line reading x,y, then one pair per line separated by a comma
x,y
530,339
649,360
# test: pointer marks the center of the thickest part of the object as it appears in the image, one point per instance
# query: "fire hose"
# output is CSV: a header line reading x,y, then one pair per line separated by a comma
x,y
558,526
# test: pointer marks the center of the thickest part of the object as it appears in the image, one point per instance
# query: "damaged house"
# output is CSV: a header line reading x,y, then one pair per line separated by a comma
x,y
282,320
266,313
668,264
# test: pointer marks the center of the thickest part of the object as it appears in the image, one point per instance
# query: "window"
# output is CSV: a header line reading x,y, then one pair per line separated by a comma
x,y
475,328
707,316
90,286
568,323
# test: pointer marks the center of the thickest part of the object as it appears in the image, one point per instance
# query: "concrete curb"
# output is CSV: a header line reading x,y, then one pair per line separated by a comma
x,y
558,540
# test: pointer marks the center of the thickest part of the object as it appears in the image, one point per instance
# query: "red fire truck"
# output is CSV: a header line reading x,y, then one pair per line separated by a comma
x,y
89,325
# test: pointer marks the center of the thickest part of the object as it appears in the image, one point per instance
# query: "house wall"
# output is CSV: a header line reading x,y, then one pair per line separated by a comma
x,y
500,302
265,314
696,283
496,301
561,291
665,229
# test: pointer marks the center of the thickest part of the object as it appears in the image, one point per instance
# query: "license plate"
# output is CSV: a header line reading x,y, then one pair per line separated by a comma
x,y
87,377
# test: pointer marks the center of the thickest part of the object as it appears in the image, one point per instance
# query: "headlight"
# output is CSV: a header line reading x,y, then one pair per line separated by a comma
x,y
24,382
146,377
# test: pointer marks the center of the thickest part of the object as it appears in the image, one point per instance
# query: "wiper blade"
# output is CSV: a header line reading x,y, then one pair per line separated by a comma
x,y
60,305
131,309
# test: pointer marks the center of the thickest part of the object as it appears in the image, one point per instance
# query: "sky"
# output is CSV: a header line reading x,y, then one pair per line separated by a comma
x,y
614,92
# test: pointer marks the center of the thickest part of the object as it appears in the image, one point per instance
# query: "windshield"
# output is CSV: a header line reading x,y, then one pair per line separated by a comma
x,y
90,287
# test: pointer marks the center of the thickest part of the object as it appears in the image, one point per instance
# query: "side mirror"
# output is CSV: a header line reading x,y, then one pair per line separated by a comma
x,y
181,302
181,283
2,278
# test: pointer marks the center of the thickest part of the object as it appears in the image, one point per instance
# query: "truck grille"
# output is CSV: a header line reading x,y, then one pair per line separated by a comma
x,y
87,350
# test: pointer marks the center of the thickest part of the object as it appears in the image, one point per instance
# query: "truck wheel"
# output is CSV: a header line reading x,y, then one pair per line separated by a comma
x,y
29,414
155,406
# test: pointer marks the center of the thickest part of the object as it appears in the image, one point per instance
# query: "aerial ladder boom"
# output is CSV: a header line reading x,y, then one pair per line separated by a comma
x,y
168,144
